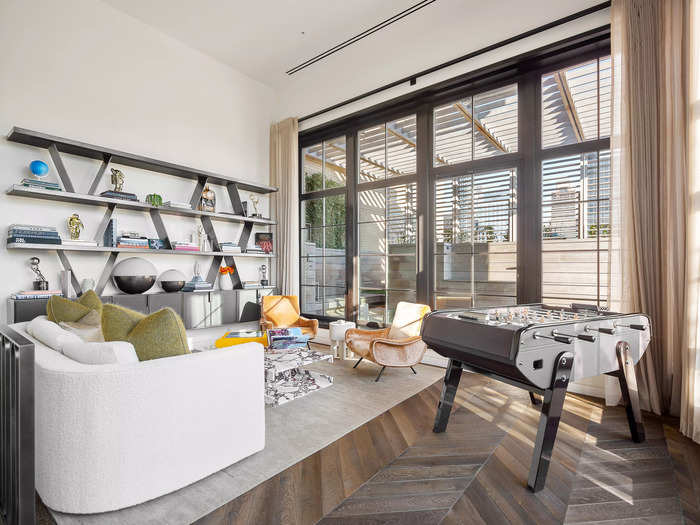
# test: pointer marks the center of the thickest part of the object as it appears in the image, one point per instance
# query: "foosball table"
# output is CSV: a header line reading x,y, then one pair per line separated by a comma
x,y
541,349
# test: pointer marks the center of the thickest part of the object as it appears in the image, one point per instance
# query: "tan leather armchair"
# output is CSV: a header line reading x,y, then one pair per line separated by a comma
x,y
399,345
282,311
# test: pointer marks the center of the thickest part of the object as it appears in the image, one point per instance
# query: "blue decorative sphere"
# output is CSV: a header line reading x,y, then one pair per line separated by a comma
x,y
39,168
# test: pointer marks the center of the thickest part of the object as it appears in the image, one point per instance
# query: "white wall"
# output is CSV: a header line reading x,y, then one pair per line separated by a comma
x,y
328,82
82,70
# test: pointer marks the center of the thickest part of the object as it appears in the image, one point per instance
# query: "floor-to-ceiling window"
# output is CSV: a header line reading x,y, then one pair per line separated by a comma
x,y
386,218
323,180
475,243
487,190
575,185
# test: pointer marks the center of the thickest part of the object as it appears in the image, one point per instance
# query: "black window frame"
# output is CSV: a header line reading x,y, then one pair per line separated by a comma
x,y
525,70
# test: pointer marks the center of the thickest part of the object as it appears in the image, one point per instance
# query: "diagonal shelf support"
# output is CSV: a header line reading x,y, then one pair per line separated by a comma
x,y
245,236
197,193
67,266
235,278
102,227
106,273
160,227
209,230
100,173
235,197
61,168
214,269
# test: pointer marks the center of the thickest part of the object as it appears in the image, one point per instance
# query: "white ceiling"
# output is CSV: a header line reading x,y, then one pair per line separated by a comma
x,y
263,39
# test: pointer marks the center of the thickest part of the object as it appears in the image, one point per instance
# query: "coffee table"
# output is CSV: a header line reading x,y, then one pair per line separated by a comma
x,y
285,376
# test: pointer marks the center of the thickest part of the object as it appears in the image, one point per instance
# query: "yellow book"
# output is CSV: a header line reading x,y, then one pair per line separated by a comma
x,y
238,338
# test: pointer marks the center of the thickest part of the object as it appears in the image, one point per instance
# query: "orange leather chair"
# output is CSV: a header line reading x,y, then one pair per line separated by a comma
x,y
399,345
282,311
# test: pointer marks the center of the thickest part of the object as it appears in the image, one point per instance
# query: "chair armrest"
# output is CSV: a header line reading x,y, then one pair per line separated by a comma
x,y
359,333
265,324
307,323
398,352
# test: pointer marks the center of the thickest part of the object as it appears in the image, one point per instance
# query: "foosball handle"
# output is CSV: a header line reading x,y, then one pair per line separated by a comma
x,y
562,339
609,331
586,337
640,327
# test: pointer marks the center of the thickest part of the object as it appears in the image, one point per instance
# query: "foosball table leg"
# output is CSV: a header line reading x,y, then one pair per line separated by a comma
x,y
552,405
449,390
630,394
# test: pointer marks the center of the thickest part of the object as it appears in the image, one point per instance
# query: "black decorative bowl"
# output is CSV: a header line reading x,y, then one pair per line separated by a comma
x,y
133,284
172,286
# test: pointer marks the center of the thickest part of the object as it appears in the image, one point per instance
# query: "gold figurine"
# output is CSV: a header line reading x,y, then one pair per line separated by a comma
x,y
117,179
75,226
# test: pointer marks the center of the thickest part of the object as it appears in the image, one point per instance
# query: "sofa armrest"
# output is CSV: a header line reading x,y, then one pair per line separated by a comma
x,y
165,422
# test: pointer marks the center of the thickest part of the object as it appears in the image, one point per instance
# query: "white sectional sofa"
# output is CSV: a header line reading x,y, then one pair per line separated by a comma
x,y
112,436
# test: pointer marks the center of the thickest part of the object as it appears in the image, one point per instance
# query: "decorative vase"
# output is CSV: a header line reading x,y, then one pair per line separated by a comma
x,y
134,275
225,282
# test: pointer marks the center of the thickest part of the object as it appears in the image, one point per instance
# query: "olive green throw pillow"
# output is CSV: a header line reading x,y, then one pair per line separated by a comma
x,y
118,322
161,334
59,309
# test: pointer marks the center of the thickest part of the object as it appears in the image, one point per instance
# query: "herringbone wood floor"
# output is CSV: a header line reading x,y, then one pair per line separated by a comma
x,y
394,470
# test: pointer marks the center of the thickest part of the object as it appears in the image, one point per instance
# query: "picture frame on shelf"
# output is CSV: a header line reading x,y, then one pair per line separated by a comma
x,y
264,241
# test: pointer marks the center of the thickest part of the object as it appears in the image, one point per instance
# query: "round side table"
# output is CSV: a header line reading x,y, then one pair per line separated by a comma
x,y
336,331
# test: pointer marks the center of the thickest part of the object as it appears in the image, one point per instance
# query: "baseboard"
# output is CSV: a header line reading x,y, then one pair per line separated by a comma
x,y
587,389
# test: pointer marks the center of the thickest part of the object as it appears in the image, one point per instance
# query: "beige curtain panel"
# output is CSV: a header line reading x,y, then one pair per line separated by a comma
x,y
652,265
284,173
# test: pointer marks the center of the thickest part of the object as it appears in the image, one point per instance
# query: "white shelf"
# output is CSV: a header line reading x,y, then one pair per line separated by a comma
x,y
109,249
19,190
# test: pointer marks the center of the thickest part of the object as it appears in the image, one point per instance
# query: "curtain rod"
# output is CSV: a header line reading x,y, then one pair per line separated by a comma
x,y
412,78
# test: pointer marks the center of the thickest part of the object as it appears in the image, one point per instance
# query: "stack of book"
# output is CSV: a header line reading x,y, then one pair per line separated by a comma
x,y
255,249
197,284
281,339
32,234
132,240
184,246
250,284
35,294
175,204
119,195
41,184
78,242
230,247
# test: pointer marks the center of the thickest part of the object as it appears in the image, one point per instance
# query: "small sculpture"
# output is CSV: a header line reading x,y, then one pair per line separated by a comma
x,y
263,276
208,200
254,199
75,226
154,199
40,283
117,179
39,168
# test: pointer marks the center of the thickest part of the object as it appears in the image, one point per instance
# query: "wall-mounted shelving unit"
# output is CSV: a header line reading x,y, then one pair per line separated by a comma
x,y
57,145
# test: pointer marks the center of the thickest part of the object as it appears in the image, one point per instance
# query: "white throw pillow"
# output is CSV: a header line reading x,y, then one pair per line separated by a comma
x,y
50,333
110,353
89,328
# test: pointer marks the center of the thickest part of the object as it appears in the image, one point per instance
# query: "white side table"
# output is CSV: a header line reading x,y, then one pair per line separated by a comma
x,y
336,331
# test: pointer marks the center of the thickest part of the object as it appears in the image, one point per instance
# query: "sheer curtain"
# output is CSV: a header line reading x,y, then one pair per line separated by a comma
x,y
650,183
284,173
690,398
